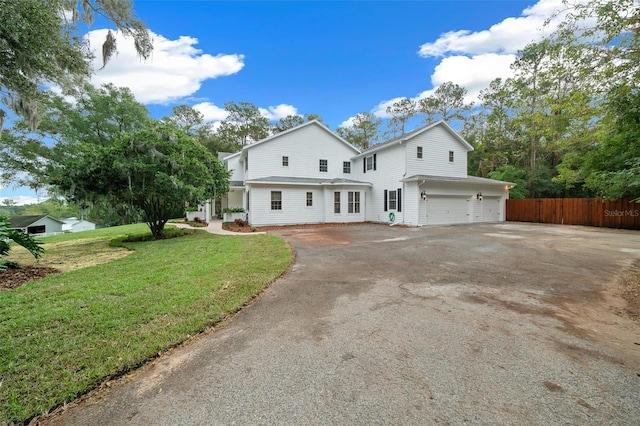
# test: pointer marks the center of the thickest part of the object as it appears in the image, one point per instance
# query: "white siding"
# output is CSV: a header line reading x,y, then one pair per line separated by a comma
x,y
236,167
304,149
436,144
294,208
294,205
390,164
235,199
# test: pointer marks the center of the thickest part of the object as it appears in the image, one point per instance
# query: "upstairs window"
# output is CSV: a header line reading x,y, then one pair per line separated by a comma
x,y
369,163
346,167
419,152
285,161
324,165
451,156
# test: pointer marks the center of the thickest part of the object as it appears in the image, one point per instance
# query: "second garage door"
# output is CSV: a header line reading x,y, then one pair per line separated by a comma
x,y
442,210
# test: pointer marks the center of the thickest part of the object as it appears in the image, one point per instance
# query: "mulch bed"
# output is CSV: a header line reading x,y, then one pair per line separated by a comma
x,y
12,278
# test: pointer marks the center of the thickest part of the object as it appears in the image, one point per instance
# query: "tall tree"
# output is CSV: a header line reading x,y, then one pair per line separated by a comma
x,y
243,125
288,122
97,117
155,171
39,46
311,117
401,112
447,103
363,132
189,120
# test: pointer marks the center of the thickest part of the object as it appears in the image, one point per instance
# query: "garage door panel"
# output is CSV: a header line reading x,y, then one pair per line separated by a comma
x,y
491,209
447,210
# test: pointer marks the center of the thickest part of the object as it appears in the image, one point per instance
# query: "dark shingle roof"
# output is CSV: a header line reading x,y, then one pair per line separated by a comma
x,y
24,221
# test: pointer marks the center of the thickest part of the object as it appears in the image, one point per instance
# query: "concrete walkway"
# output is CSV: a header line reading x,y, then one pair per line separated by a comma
x,y
215,227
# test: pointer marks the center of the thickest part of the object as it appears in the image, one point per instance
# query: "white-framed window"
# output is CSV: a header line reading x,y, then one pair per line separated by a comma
x,y
369,163
285,161
346,167
451,156
419,152
309,199
276,200
353,202
324,165
336,202
393,200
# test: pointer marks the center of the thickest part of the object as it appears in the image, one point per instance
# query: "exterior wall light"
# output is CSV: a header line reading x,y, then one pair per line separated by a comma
x,y
479,196
423,195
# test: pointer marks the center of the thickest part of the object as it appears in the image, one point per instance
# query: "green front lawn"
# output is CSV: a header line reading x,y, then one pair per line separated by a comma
x,y
63,335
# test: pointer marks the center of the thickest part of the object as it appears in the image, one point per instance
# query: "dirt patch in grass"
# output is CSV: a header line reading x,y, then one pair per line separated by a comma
x,y
13,278
70,255
58,257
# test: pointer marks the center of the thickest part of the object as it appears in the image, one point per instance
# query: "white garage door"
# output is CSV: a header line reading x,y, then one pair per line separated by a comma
x,y
442,210
491,209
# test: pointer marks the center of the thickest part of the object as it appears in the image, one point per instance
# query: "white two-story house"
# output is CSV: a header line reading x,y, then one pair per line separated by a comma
x,y
308,174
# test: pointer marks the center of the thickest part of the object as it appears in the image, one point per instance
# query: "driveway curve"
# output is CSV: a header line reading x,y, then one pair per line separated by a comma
x,y
483,324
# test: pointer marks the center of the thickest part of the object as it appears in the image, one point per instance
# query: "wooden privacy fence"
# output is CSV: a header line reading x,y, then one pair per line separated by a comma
x,y
622,213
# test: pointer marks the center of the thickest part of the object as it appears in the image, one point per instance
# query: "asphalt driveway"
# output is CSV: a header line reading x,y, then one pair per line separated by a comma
x,y
481,324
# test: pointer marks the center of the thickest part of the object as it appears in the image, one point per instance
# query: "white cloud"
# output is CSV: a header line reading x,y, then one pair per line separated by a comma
x,y
380,110
279,111
211,112
22,200
347,123
473,59
484,68
508,36
175,70
216,114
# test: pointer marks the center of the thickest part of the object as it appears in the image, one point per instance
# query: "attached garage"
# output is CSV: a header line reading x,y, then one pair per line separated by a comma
x,y
446,209
492,209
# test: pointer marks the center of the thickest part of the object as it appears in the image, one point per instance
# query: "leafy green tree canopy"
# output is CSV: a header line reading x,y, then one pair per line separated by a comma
x,y
364,131
155,171
39,45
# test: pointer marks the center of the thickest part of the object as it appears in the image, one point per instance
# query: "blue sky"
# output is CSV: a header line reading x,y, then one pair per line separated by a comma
x,y
332,58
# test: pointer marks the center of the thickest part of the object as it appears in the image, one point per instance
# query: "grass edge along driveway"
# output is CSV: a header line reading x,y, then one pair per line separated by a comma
x,y
63,335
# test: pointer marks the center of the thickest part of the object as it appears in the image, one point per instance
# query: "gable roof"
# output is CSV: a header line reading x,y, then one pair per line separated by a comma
x,y
295,129
25,221
405,137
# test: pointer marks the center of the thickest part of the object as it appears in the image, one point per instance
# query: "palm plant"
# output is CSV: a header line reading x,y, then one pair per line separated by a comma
x,y
8,235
